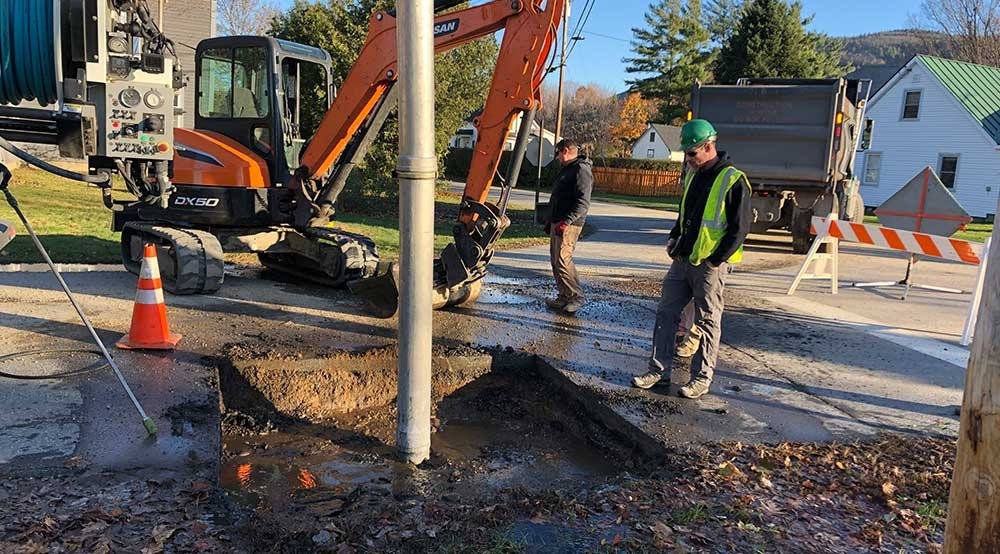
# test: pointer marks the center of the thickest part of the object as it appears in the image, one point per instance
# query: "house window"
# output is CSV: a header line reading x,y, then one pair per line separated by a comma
x,y
650,153
652,136
947,168
873,167
911,104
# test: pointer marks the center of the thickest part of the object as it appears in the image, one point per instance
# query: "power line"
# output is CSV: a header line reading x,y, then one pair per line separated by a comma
x,y
580,24
619,39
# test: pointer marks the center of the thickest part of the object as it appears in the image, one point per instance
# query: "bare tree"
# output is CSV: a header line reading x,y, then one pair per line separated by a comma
x,y
589,116
971,28
246,17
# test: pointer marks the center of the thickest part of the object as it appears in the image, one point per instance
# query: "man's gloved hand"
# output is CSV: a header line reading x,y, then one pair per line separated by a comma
x,y
671,243
559,227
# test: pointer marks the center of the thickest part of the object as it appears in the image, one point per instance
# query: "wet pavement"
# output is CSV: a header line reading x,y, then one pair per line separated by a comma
x,y
813,366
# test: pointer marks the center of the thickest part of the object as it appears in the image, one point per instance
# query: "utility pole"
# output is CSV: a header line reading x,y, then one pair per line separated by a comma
x,y
416,170
538,181
974,501
562,67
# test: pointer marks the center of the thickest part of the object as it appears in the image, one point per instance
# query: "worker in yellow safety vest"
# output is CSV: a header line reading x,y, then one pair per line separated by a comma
x,y
708,236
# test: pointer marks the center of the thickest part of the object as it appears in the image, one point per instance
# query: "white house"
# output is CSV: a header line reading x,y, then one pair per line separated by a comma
x,y
659,142
939,113
467,134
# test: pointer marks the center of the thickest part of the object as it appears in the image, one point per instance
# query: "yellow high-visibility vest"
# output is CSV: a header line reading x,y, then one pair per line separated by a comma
x,y
713,220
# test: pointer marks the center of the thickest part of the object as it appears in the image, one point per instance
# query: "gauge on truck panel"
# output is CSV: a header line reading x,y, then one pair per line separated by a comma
x,y
153,99
130,97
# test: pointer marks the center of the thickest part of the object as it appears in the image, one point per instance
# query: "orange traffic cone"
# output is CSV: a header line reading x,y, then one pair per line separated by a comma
x,y
149,316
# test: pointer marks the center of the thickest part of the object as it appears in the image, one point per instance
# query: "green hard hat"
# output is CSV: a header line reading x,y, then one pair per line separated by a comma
x,y
695,133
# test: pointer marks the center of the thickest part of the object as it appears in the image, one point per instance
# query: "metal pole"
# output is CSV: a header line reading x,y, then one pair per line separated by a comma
x,y
416,170
562,66
538,182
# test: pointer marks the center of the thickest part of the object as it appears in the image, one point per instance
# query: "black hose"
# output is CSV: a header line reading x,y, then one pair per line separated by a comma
x,y
67,374
103,179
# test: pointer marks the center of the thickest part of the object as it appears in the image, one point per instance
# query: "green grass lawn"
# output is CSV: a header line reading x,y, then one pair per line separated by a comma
x,y
75,227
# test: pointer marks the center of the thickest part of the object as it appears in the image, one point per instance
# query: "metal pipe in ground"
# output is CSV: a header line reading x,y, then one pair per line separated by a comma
x,y
416,170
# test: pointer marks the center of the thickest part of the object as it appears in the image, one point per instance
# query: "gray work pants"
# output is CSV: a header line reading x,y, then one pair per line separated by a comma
x,y
561,254
682,283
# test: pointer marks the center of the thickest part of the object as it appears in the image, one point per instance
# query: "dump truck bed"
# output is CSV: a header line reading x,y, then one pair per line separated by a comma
x,y
776,133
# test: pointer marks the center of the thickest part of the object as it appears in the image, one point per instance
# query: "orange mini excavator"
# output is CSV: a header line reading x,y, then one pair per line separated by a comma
x,y
255,175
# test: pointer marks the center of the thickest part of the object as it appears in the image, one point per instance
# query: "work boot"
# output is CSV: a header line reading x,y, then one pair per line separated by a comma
x,y
574,305
696,388
556,303
689,345
647,380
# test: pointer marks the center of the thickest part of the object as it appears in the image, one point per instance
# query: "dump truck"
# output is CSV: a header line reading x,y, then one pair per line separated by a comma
x,y
796,139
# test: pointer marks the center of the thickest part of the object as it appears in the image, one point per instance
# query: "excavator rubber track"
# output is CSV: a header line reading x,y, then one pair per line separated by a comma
x,y
326,256
190,260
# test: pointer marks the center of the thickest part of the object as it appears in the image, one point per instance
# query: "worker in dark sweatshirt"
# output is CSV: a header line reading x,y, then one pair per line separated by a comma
x,y
569,203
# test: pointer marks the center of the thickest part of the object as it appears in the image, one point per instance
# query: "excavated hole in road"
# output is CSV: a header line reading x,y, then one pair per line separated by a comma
x,y
309,433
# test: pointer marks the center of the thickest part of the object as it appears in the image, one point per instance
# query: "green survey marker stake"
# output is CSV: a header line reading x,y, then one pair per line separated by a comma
x,y
150,426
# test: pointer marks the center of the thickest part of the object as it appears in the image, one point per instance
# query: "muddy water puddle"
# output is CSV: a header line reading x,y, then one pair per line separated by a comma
x,y
283,469
506,429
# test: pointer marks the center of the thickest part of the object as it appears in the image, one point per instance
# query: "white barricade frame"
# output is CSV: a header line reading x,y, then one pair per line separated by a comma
x,y
830,231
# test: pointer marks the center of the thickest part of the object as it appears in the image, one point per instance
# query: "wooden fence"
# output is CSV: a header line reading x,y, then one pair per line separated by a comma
x,y
637,182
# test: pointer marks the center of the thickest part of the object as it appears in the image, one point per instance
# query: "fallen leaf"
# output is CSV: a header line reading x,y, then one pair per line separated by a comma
x,y
661,530
728,469
161,533
888,488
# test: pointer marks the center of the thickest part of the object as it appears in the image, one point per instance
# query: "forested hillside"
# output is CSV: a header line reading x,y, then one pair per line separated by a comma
x,y
891,47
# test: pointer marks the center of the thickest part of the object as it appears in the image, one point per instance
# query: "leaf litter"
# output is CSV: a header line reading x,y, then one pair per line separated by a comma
x,y
889,495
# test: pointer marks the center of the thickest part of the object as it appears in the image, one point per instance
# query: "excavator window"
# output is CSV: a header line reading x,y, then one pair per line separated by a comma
x,y
305,102
234,84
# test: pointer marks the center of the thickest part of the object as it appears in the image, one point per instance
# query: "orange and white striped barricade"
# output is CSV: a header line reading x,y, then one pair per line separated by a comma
x,y
977,294
830,230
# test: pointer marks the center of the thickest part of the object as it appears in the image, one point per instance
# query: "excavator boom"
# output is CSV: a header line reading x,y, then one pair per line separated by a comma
x,y
529,32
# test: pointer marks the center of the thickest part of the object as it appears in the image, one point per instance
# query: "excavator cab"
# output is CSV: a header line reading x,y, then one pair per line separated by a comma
x,y
267,94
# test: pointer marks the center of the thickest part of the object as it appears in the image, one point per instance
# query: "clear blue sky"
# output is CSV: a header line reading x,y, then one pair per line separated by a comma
x,y
608,31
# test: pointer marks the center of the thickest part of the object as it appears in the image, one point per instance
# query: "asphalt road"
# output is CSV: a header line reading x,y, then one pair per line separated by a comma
x,y
812,366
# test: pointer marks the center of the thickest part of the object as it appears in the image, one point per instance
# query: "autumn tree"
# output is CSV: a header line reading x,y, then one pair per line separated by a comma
x,y
245,17
671,52
971,28
633,117
771,41
462,78
590,114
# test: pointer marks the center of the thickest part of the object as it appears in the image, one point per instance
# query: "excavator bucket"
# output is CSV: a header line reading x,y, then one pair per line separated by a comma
x,y
380,292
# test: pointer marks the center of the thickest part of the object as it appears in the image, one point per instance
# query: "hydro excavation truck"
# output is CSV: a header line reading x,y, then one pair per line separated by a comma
x,y
796,139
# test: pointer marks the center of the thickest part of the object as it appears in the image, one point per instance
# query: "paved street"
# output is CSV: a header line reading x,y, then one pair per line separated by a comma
x,y
813,366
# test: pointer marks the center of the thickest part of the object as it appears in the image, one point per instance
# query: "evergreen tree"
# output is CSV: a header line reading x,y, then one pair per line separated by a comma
x,y
771,41
672,51
721,18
